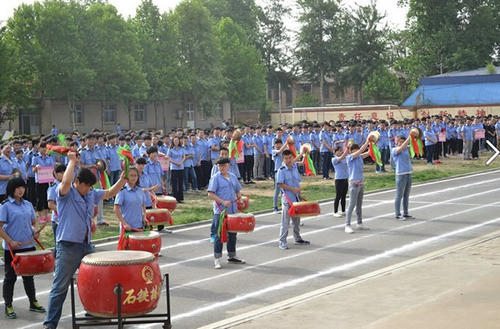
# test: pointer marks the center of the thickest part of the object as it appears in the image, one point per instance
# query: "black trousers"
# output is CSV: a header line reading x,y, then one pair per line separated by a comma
x,y
248,168
475,149
31,191
341,188
11,278
326,160
178,184
206,168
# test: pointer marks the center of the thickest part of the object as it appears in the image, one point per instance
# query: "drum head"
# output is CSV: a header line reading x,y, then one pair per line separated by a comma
x,y
144,235
119,257
240,215
156,211
34,253
166,198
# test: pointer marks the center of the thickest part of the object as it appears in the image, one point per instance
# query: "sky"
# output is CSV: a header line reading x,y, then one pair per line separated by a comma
x,y
395,16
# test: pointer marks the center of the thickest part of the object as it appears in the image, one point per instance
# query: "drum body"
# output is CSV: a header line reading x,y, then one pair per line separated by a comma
x,y
33,262
243,203
145,241
166,202
306,208
136,271
159,216
240,222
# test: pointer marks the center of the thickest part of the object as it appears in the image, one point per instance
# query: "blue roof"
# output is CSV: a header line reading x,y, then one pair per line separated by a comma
x,y
457,88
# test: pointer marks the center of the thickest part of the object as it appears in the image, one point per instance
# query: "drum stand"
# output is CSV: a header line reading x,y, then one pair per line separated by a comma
x,y
120,321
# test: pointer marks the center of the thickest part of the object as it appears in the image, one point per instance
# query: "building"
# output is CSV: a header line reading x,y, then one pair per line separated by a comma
x,y
475,92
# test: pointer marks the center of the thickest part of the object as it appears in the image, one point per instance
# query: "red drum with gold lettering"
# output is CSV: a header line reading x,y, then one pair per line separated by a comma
x,y
243,203
136,271
240,223
146,241
159,216
166,202
306,208
33,262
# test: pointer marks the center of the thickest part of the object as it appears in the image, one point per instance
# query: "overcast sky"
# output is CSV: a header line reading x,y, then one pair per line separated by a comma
x,y
395,16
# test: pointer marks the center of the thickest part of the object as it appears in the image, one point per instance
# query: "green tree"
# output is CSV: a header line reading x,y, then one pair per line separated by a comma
x,y
366,47
383,86
242,67
320,41
199,55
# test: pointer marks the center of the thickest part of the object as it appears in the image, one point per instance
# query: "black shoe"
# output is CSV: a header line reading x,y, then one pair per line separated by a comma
x,y
302,242
251,182
35,307
160,228
10,313
235,260
408,216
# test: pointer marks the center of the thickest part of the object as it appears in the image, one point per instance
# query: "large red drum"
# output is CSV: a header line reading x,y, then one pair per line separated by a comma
x,y
306,208
243,203
136,271
145,241
33,262
240,222
166,202
159,216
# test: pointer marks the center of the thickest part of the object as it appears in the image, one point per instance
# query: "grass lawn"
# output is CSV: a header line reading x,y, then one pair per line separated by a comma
x,y
197,207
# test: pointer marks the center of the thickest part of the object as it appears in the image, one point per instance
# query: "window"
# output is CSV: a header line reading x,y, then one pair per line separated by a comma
x,y
78,114
140,113
306,87
202,115
190,111
109,115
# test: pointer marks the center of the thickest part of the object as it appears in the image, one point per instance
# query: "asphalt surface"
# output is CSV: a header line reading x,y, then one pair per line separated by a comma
x,y
446,213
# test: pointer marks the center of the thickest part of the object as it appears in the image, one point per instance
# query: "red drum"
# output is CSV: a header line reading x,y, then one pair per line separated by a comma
x,y
159,216
306,208
33,262
145,241
243,203
240,222
136,271
166,202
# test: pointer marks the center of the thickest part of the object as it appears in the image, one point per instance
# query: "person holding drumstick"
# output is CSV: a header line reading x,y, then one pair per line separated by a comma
x,y
130,203
224,189
288,179
75,205
17,229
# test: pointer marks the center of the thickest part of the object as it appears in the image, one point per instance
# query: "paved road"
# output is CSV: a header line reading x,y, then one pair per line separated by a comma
x,y
446,213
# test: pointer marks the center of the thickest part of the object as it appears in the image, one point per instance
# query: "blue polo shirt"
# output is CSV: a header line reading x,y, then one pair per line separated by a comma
x,y
402,161
17,219
176,154
314,138
43,161
88,156
189,150
258,140
203,149
21,166
144,182
355,167
154,172
340,166
430,137
225,188
6,167
247,139
324,136
383,141
52,196
114,159
75,214
278,159
211,142
131,202
290,177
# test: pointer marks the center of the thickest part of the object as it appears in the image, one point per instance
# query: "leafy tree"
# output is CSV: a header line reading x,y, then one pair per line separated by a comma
x,y
320,40
242,67
383,86
306,100
366,47
200,63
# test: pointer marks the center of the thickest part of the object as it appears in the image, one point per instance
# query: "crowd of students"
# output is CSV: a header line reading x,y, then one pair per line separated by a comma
x,y
219,161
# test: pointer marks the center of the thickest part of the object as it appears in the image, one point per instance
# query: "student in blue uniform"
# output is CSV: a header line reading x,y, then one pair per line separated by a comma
x,y
224,189
356,185
401,156
75,205
339,163
288,179
52,196
17,228
130,203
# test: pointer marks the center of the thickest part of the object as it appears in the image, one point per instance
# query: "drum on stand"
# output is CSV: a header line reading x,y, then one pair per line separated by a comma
x,y
149,241
306,208
137,272
159,216
166,202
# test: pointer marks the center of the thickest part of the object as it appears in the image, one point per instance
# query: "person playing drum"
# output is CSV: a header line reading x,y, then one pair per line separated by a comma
x,y
224,189
130,203
288,180
17,220
75,205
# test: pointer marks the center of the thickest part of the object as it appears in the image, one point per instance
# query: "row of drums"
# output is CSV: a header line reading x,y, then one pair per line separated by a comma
x,y
135,267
